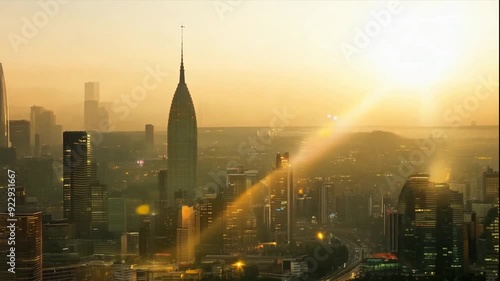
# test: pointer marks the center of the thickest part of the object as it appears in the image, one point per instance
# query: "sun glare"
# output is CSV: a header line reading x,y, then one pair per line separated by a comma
x,y
417,50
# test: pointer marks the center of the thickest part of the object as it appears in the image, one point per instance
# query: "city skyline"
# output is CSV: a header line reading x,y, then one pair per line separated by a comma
x,y
318,140
313,62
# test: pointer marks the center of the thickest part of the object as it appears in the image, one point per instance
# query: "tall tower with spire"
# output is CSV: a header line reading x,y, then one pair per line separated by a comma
x,y
182,142
4,113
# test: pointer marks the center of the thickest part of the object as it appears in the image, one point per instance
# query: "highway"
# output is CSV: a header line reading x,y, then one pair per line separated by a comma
x,y
352,266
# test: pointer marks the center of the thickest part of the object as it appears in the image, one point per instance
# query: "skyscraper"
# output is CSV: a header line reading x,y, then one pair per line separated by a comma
x,y
210,208
43,124
28,246
20,136
490,239
431,228
149,137
186,235
91,106
391,228
182,144
321,195
162,202
78,177
234,210
35,112
166,230
282,198
490,186
99,211
117,215
4,112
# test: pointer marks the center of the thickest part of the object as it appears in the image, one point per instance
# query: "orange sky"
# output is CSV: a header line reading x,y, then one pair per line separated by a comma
x,y
245,59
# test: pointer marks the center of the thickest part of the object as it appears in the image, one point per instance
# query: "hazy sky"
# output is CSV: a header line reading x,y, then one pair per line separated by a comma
x,y
246,59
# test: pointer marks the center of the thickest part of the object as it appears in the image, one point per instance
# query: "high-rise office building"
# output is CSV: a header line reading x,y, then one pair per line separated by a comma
x,y
117,216
78,177
4,112
391,229
99,211
318,201
282,199
20,136
46,122
489,244
162,202
450,234
28,246
133,219
473,232
166,230
149,135
43,124
35,112
91,111
431,227
182,141
149,138
186,235
490,186
210,208
91,115
92,91
239,220
235,187
145,250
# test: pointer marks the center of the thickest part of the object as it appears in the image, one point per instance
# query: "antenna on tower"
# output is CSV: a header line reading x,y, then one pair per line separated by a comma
x,y
181,78
182,43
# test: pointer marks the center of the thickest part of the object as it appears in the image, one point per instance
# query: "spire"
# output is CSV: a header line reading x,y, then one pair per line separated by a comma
x,y
181,78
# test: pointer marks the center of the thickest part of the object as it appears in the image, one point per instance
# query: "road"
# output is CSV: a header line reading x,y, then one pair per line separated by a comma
x,y
352,266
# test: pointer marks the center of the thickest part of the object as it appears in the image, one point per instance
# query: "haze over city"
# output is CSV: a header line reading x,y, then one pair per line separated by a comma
x,y
259,55
233,140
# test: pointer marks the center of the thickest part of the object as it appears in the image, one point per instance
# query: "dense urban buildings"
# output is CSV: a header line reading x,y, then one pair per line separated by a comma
x,y
300,162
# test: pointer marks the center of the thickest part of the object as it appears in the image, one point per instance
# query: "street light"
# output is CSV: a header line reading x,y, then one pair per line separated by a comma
x,y
239,267
320,236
